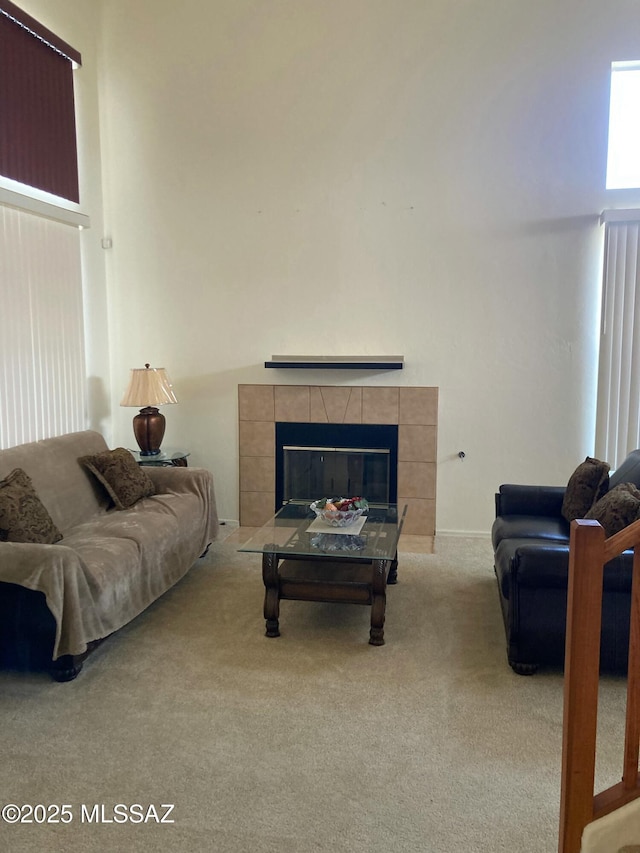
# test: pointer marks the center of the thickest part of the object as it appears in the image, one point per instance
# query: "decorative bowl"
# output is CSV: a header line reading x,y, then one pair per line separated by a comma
x,y
340,512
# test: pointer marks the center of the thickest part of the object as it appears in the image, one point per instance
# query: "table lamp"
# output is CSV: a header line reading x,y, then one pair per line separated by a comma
x,y
149,387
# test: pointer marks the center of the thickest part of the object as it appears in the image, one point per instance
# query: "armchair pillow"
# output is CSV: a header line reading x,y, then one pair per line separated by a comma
x,y
617,509
588,483
125,481
23,516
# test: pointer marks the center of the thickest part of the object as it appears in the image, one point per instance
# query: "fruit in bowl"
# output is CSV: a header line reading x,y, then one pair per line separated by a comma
x,y
340,512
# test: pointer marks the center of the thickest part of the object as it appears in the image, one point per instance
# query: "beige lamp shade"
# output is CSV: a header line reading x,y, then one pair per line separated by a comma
x,y
149,387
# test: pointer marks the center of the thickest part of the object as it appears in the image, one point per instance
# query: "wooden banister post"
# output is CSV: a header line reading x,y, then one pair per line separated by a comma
x,y
632,727
581,677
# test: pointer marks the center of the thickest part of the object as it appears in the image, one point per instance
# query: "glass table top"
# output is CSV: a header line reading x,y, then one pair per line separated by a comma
x,y
161,458
295,531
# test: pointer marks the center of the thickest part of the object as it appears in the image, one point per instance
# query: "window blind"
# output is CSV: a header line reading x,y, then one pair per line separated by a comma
x,y
618,405
37,112
42,360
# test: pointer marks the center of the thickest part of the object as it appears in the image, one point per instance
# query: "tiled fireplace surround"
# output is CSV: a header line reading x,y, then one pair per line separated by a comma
x,y
414,410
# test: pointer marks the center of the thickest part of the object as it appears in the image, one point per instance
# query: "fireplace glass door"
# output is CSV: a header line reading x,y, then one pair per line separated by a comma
x,y
316,472
316,461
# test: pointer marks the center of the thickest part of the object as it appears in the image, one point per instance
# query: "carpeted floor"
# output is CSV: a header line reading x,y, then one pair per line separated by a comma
x,y
311,742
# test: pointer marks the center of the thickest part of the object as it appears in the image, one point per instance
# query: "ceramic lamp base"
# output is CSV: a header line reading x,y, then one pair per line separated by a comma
x,y
148,428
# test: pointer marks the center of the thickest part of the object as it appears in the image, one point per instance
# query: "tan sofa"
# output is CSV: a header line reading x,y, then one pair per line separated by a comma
x,y
57,601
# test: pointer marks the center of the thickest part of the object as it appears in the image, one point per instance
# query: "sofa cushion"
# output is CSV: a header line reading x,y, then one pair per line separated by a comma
x,y
69,493
617,509
512,499
23,516
588,483
628,472
125,481
536,563
543,564
554,528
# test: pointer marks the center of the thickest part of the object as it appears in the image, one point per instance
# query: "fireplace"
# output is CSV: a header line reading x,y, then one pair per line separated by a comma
x,y
336,460
411,411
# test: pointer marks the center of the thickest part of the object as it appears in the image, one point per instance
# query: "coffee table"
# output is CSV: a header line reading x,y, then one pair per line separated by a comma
x,y
304,559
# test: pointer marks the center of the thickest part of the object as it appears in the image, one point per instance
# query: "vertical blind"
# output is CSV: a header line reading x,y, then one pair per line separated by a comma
x,y
618,405
37,112
42,363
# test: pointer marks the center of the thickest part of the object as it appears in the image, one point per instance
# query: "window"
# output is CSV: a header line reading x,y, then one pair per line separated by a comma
x,y
42,361
623,160
37,112
618,401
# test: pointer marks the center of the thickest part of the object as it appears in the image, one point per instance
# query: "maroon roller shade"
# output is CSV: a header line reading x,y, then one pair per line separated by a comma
x,y
37,113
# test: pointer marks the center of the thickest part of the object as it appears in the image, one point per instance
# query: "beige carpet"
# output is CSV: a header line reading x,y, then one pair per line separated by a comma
x,y
311,742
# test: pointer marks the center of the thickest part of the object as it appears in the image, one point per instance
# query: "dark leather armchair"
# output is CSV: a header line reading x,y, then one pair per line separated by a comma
x,y
531,557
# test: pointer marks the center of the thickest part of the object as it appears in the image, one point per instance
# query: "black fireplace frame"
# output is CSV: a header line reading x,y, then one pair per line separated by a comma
x,y
365,436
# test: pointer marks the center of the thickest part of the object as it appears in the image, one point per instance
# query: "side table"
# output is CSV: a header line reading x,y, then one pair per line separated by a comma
x,y
164,459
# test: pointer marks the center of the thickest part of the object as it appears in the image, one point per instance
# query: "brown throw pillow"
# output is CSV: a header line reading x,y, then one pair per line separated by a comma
x,y
588,483
117,470
617,509
23,517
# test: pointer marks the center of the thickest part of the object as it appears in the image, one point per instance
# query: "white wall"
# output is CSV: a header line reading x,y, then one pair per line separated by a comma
x,y
363,176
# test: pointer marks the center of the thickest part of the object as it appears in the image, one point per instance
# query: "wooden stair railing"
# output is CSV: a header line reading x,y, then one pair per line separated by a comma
x,y
589,552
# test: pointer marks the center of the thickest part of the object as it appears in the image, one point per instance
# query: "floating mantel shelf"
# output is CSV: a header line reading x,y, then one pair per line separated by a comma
x,y
337,362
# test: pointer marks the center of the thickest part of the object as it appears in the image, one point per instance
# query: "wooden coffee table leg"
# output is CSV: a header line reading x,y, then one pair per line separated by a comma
x,y
393,571
271,594
379,571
